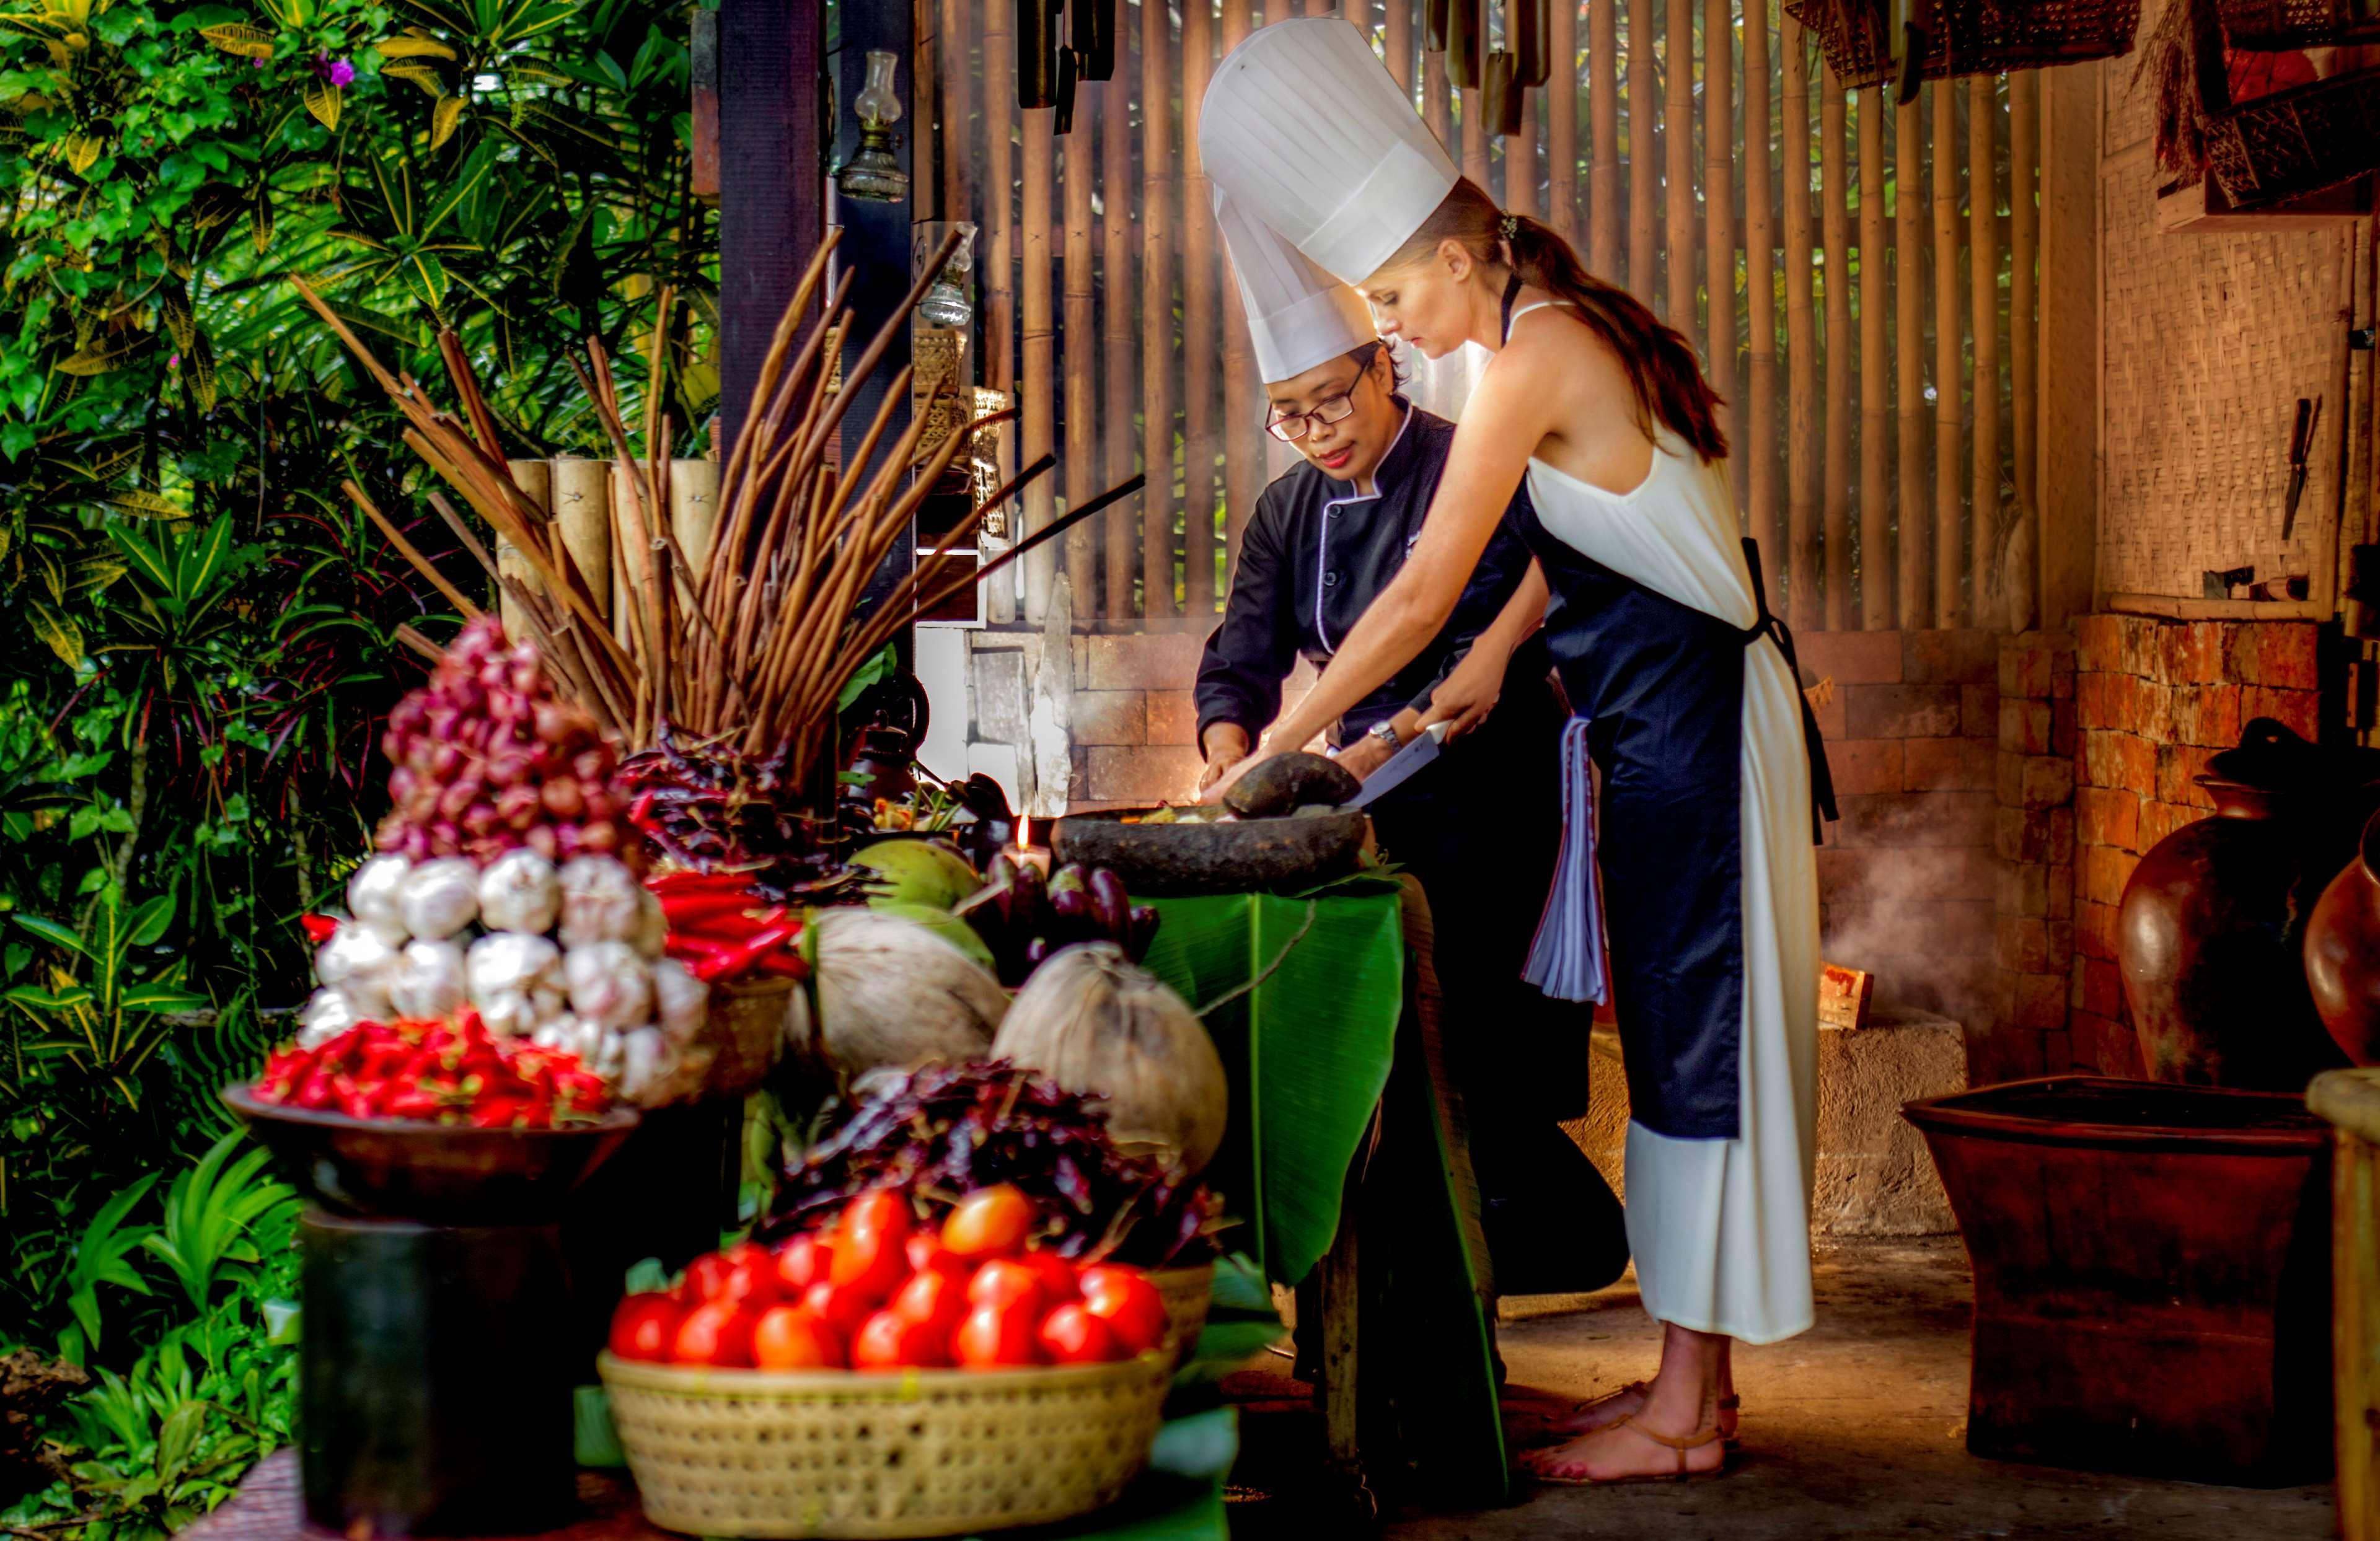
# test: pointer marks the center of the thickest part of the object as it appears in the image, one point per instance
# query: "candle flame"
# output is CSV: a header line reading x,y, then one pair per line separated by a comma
x,y
1025,833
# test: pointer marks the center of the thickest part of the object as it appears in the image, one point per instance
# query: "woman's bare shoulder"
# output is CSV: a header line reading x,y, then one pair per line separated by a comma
x,y
1553,346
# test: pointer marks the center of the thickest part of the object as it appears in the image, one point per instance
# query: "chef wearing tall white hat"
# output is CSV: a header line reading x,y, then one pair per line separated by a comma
x,y
1481,823
1680,678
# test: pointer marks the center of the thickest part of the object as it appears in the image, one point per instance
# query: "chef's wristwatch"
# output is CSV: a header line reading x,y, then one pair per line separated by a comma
x,y
1385,731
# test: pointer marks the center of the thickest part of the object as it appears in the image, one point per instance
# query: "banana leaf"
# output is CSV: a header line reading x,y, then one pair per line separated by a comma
x,y
1301,996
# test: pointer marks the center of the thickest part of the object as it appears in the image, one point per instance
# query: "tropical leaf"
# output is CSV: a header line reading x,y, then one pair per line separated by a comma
x,y
61,635
322,99
93,358
92,574
199,372
152,563
209,1212
195,562
52,932
443,119
426,76
239,37
103,1256
82,151
159,998
146,505
413,45
425,278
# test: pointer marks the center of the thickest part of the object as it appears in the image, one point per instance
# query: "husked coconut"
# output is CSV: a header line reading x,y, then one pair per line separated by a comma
x,y
890,992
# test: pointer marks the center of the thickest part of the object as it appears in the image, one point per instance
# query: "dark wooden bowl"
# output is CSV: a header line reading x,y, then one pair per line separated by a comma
x,y
1170,860
434,1172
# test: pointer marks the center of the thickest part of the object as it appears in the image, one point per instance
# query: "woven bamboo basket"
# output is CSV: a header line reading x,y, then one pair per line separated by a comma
x,y
748,1031
1970,37
2280,24
2297,141
926,1452
1186,1292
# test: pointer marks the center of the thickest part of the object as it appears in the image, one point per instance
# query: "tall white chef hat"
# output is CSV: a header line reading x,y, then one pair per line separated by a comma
x,y
1298,315
1303,128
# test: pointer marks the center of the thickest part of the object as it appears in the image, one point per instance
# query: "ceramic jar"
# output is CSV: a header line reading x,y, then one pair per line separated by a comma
x,y
2342,952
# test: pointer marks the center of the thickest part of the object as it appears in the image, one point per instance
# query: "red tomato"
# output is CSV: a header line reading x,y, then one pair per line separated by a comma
x,y
742,1272
1129,1303
988,1222
706,1279
997,1337
644,1326
842,1309
926,1251
880,1210
936,1298
796,1337
801,1263
1004,1280
718,1333
1071,1335
888,1340
871,1247
1061,1282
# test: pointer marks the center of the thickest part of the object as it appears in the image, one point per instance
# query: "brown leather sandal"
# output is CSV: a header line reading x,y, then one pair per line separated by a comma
x,y
1730,1408
1696,1440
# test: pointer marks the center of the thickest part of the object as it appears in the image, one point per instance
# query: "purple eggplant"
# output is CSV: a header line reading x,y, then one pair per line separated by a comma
x,y
1069,912
1143,925
1110,906
1035,952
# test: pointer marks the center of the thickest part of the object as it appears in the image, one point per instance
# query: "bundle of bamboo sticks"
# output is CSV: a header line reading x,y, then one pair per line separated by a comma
x,y
750,650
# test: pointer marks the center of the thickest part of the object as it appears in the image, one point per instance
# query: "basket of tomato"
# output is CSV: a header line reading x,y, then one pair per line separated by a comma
x,y
883,1378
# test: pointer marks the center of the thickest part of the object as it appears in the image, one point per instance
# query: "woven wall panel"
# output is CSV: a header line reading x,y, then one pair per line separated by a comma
x,y
2208,342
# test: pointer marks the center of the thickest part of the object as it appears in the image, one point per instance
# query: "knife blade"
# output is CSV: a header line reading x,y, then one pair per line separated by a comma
x,y
1402,764
2301,442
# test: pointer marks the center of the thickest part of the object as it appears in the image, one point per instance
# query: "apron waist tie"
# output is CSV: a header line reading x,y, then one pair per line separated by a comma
x,y
1566,960
1822,780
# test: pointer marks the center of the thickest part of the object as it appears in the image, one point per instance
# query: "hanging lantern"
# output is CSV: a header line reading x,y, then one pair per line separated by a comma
x,y
1094,37
1037,53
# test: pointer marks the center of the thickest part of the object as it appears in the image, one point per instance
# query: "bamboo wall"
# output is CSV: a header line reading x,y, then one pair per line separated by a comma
x,y
1741,193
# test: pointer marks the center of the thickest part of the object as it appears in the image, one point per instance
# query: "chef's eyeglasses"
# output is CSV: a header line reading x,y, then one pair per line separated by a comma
x,y
1293,426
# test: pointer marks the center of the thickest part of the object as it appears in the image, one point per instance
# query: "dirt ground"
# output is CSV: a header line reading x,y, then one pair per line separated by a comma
x,y
1856,1429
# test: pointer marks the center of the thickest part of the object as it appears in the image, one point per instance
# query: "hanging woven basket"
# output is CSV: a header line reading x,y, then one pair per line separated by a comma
x,y
1970,37
2296,142
2270,25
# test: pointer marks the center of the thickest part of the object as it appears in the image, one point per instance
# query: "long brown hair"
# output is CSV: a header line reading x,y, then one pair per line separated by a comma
x,y
1660,362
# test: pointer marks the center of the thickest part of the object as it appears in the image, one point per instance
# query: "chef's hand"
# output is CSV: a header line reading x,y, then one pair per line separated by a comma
x,y
1362,757
1468,693
1227,747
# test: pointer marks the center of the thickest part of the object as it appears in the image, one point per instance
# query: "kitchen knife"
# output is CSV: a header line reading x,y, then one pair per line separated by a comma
x,y
1402,764
2301,442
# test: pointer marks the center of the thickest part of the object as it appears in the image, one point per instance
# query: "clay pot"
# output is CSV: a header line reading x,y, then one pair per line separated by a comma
x,y
2209,934
2342,952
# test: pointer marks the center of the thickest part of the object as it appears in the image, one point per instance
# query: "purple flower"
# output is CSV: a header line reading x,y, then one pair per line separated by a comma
x,y
333,72
175,362
256,64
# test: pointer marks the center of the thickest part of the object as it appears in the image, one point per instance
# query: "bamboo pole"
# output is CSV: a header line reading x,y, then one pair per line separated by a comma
x,y
1158,193
2024,253
1561,118
1082,352
1198,314
1949,550
1397,43
1119,286
999,255
1759,451
694,511
1984,257
1607,214
1644,151
1475,133
1835,191
958,126
1916,530
534,478
1243,453
582,507
1802,457
1038,360
1720,231
1678,129
1875,395
1521,157
926,149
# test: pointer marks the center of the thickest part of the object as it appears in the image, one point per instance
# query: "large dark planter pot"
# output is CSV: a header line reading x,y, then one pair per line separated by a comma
x,y
2152,1269
2342,952
2210,932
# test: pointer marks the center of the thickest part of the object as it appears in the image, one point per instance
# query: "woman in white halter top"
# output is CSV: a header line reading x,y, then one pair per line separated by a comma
x,y
1687,703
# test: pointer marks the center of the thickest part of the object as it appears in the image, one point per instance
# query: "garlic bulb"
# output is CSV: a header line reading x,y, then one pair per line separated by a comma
x,y
505,962
651,937
372,893
519,891
428,980
327,1015
608,984
681,1002
358,964
440,897
1100,1025
601,899
890,992
508,1013
644,1062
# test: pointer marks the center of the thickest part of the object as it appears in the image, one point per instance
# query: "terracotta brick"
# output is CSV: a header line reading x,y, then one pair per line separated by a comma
x,y
2020,836
1979,710
1145,773
1968,656
2047,782
2098,644
2242,664
1842,873
1172,717
2094,929
2020,945
2024,726
2061,830
2194,652
1851,657
1902,710
1905,875
2105,870
2103,987
1150,660
1110,717
2059,884
1864,765
2108,816
2095,699
2142,651
2149,711
2106,1047
2056,1052
1833,723
2024,671
2178,769
2065,729
2206,714
2061,941
2021,889
1947,765
2297,709
1916,819
2120,759
2160,819
2040,1004
2286,656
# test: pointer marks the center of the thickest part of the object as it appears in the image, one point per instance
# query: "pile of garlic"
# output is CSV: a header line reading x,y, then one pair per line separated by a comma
x,y
570,959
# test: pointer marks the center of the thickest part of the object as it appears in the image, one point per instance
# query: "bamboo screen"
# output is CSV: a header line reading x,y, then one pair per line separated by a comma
x,y
1700,154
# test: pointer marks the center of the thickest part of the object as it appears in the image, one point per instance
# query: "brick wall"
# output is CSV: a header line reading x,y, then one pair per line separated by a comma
x,y
2033,906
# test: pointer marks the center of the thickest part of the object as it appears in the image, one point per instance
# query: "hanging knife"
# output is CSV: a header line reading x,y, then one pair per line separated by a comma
x,y
2301,442
1402,765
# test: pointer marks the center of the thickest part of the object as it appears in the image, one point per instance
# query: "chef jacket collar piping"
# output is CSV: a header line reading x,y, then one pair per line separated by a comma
x,y
1322,533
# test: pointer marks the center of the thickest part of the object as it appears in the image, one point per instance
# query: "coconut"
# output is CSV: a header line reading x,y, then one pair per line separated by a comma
x,y
1100,1026
917,872
890,992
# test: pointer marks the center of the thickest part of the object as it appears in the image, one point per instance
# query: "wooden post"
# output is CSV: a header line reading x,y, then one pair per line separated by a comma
x,y
1984,266
1562,119
1719,216
925,110
1476,135
1120,288
958,124
1803,465
772,167
1397,43
1644,151
1000,258
1607,214
1199,322
694,509
582,503
1243,437
1082,469
1434,93
1037,362
2024,248
536,478
1678,131
1913,506
1759,449
1876,400
1950,550
1158,193
1836,190
2067,484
